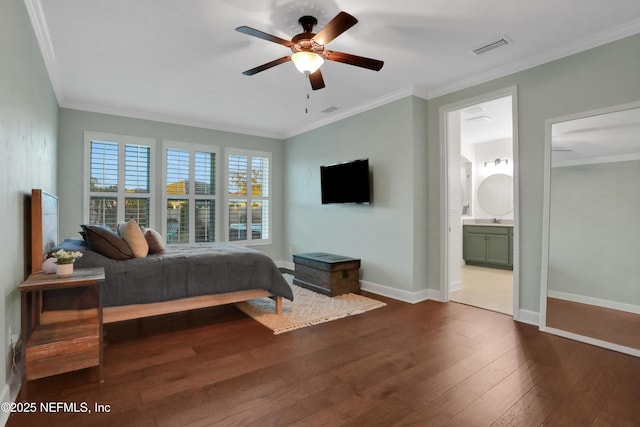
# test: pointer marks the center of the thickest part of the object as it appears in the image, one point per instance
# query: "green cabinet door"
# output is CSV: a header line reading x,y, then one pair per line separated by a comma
x,y
498,249
490,246
475,247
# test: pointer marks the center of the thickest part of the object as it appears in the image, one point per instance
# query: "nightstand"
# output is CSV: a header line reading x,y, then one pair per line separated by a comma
x,y
65,345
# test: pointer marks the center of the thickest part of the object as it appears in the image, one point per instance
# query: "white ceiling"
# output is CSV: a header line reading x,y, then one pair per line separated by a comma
x,y
181,61
487,121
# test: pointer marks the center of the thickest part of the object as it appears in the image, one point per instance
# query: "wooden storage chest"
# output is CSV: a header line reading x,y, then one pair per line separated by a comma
x,y
326,273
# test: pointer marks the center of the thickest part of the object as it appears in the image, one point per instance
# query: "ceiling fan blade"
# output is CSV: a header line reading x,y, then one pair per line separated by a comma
x,y
266,66
265,36
316,80
358,61
338,25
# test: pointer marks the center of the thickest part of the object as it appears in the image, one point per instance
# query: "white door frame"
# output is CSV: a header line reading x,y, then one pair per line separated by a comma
x,y
444,186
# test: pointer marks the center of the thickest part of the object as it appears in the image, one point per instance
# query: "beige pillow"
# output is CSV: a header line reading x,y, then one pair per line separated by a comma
x,y
154,240
132,234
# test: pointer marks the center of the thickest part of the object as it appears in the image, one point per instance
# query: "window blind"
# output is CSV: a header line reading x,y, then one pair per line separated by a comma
x,y
137,169
177,179
104,166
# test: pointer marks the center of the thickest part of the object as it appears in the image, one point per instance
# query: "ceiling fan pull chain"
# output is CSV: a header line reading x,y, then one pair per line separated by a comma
x,y
306,104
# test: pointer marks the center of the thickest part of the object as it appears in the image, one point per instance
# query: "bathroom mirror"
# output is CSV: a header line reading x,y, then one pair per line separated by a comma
x,y
495,194
591,260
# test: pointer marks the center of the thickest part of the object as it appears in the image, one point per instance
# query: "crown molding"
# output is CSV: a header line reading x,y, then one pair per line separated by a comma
x,y
167,118
39,24
376,102
36,15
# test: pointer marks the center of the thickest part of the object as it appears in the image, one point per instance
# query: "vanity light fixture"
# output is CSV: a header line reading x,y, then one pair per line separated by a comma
x,y
497,162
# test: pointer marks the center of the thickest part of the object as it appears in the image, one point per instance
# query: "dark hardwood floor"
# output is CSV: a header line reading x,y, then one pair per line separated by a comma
x,y
423,364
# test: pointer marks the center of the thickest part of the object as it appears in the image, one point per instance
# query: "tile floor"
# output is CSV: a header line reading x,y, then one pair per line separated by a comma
x,y
489,288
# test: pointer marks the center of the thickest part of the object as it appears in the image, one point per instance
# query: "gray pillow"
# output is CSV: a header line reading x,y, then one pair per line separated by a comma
x,y
106,242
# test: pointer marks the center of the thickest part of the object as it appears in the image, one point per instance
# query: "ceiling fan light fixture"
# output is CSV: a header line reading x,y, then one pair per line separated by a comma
x,y
307,62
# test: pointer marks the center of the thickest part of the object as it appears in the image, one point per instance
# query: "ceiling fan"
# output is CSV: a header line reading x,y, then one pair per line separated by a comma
x,y
309,48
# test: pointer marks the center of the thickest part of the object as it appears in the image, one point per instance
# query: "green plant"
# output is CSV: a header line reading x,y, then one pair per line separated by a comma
x,y
64,257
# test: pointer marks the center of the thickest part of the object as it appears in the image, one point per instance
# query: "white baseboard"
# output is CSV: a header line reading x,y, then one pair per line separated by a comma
x,y
615,305
412,297
455,286
401,295
528,316
386,291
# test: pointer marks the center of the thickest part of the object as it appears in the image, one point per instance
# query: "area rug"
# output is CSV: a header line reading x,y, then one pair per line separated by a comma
x,y
308,308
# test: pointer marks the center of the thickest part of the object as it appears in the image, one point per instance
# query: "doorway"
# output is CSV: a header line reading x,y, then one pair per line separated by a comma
x,y
480,171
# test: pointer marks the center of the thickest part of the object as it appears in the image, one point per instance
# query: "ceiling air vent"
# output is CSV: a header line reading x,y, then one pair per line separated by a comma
x,y
490,46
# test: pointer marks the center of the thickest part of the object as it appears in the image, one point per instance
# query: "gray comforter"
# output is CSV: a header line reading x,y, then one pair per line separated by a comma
x,y
183,272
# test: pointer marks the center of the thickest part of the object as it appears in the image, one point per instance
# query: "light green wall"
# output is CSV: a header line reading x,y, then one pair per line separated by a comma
x,y
73,124
384,235
421,261
28,116
600,77
399,237
594,239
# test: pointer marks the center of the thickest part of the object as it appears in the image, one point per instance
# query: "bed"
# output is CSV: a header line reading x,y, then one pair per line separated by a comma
x,y
181,279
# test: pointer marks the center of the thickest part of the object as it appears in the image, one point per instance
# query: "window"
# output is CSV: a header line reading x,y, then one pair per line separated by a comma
x,y
248,197
118,179
189,192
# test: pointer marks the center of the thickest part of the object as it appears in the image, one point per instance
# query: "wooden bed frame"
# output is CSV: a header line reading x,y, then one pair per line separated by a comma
x,y
44,235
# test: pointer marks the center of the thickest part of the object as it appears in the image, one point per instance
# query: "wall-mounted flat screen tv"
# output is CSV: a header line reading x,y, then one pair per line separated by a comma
x,y
346,182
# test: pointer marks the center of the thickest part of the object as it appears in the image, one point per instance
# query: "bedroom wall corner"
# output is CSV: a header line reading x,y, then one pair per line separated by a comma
x,y
381,234
28,139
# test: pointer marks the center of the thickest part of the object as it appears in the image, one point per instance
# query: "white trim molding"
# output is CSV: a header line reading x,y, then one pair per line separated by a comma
x,y
455,286
38,21
40,29
370,105
559,52
599,302
528,316
412,297
588,340
386,291
511,91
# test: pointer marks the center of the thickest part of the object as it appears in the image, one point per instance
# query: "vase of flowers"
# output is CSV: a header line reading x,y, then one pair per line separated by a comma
x,y
65,260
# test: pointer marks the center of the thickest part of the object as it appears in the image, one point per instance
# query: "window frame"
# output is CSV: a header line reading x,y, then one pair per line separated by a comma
x,y
192,148
121,195
250,154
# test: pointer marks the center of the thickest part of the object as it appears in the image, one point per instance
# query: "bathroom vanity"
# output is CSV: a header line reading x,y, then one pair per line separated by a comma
x,y
488,244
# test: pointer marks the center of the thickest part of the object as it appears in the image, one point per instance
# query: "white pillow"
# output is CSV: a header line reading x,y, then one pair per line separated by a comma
x,y
132,234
